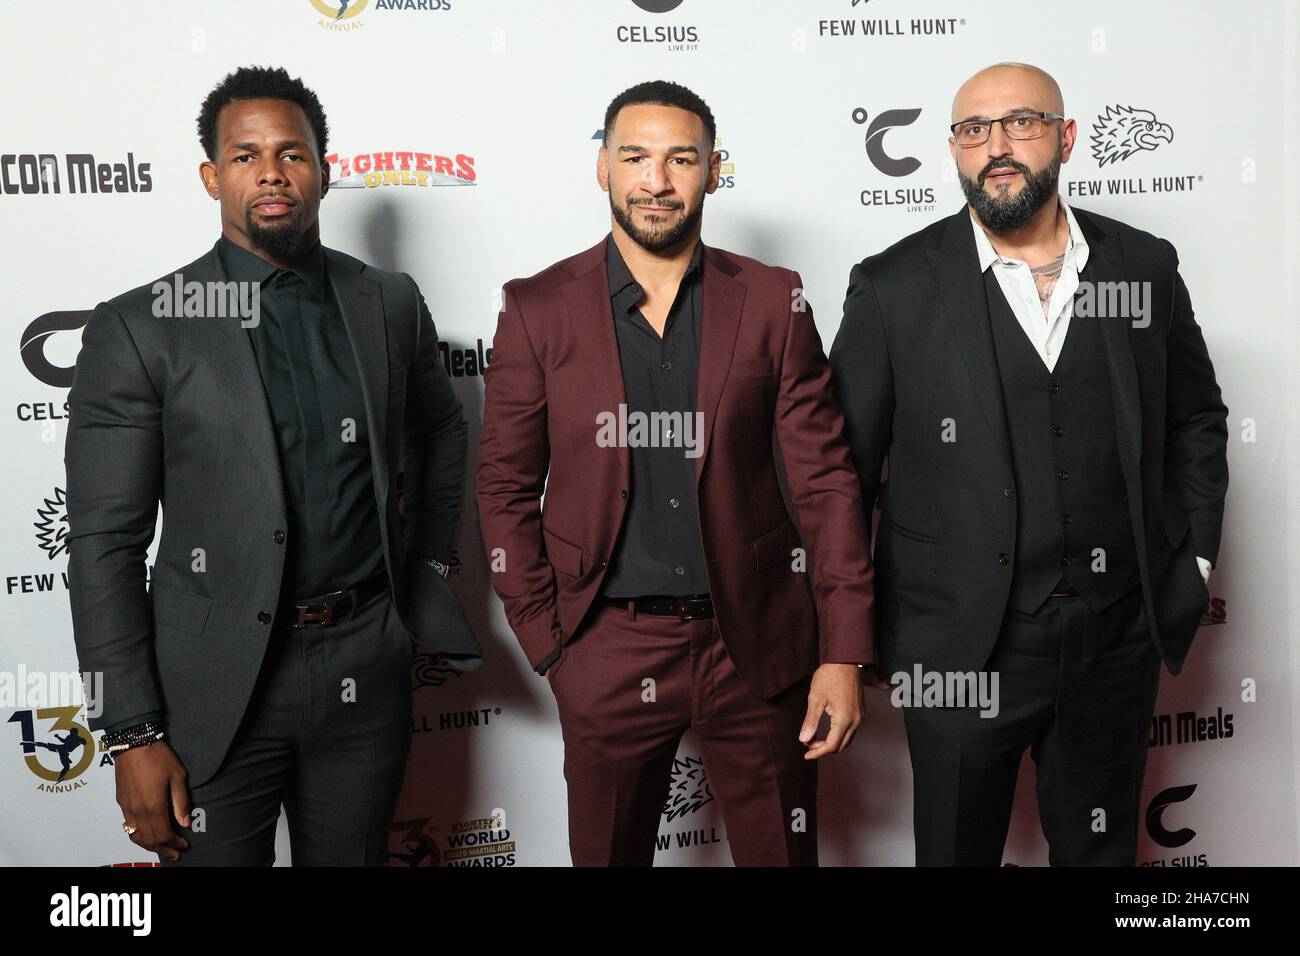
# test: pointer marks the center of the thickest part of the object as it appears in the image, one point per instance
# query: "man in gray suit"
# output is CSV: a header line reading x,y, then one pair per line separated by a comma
x,y
274,396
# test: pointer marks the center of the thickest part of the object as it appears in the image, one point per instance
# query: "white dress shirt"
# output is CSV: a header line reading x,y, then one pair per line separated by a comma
x,y
1046,330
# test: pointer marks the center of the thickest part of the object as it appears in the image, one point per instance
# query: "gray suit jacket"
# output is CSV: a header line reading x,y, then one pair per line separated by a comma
x,y
172,411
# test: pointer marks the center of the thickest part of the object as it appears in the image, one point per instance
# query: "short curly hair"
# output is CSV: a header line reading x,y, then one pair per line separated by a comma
x,y
661,93
260,83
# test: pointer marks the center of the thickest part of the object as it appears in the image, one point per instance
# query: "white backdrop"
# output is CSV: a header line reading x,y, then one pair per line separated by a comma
x,y
520,89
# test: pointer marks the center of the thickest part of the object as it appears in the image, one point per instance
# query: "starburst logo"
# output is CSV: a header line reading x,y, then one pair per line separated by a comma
x,y
52,525
1122,131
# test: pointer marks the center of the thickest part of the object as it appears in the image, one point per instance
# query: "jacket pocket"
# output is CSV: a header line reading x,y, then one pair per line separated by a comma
x,y
913,535
179,610
775,546
759,368
564,556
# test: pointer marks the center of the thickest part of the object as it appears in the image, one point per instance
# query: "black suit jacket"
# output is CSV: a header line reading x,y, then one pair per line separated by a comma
x,y
172,411
916,348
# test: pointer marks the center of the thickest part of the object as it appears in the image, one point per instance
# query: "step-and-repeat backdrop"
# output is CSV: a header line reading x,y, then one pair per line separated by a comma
x,y
504,100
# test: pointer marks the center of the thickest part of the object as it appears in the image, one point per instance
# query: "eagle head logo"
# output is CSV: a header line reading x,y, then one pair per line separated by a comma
x,y
430,670
52,526
1122,131
689,789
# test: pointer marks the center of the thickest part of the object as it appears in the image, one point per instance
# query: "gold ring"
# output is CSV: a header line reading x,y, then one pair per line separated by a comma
x,y
127,828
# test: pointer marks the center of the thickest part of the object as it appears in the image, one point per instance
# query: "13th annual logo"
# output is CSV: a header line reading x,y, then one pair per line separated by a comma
x,y
1124,134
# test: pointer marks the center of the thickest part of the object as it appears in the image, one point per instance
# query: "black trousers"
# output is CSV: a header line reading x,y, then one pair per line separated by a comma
x,y
1078,689
327,735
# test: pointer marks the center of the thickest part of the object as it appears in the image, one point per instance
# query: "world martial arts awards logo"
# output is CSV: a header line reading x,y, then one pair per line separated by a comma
x,y
884,143
1125,134
485,841
389,168
56,747
340,16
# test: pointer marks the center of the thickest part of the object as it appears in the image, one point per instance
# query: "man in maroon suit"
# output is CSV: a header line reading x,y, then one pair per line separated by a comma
x,y
665,586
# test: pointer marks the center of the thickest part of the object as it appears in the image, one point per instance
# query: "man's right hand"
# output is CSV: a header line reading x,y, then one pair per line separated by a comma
x,y
151,782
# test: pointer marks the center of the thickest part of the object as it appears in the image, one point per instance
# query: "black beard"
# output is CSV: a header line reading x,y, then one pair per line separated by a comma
x,y
661,240
1007,213
279,243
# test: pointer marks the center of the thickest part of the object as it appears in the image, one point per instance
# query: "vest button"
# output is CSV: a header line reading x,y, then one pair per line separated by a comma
x,y
278,537
1066,562
1058,431
1003,559
1063,475
1009,491
264,617
1053,388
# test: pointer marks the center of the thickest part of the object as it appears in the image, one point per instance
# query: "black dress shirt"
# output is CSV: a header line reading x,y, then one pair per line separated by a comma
x,y
313,392
659,550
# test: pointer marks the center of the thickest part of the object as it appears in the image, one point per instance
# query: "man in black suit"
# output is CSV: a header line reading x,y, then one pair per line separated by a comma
x,y
274,396
1057,470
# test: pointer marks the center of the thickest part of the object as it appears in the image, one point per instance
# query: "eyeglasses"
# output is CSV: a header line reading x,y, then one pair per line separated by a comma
x,y
1022,125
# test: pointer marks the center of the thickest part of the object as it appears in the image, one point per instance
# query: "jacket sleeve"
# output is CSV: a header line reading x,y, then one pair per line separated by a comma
x,y
825,492
1196,429
434,442
864,383
514,458
114,461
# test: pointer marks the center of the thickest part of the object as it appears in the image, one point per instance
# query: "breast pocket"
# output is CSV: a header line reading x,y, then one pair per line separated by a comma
x,y
750,371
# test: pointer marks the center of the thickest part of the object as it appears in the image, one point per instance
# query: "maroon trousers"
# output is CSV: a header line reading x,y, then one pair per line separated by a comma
x,y
627,689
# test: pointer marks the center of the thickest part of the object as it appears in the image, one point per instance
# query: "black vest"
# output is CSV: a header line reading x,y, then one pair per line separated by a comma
x,y
1072,516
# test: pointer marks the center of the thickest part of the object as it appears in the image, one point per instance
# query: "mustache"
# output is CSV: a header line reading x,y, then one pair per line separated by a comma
x,y
1000,164
657,205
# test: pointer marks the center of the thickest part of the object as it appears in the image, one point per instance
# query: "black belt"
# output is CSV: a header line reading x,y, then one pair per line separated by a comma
x,y
330,609
685,608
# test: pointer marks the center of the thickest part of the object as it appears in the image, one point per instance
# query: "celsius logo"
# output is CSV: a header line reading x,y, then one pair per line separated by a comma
x,y
689,790
1122,131
1156,827
52,526
35,338
881,125
658,6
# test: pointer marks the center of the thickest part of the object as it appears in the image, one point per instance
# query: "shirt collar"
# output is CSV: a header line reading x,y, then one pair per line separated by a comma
x,y
620,277
1076,246
244,266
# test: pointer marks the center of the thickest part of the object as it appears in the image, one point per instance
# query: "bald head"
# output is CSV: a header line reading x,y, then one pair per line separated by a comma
x,y
1004,87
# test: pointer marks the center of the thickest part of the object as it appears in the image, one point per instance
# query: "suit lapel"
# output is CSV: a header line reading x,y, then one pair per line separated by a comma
x,y
234,368
587,302
1105,264
961,286
724,298
361,305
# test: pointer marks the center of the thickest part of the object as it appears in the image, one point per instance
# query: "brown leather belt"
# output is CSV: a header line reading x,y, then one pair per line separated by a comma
x,y
327,610
685,608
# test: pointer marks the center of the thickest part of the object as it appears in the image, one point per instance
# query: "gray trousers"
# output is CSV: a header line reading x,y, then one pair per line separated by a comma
x,y
327,735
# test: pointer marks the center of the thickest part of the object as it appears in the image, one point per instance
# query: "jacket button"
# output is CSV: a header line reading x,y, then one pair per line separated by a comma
x,y
264,617
278,536
622,493
1009,491
1003,559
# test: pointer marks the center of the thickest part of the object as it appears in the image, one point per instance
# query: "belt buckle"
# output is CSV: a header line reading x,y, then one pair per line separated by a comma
x,y
682,613
323,617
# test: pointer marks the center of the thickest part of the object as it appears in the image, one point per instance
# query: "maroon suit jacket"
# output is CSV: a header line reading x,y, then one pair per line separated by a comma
x,y
555,366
